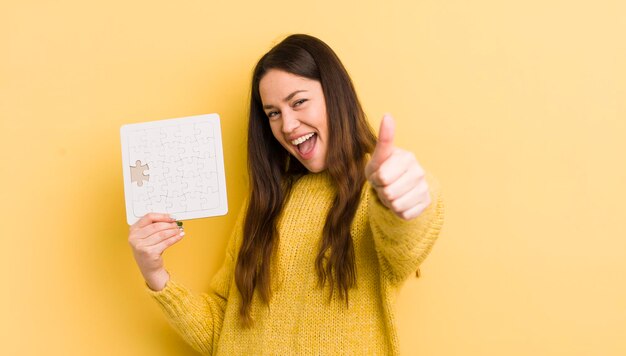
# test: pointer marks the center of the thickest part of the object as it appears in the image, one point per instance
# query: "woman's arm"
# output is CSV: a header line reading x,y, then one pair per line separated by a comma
x,y
199,318
404,206
402,245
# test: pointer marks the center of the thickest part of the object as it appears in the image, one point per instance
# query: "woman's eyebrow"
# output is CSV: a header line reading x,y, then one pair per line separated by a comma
x,y
289,97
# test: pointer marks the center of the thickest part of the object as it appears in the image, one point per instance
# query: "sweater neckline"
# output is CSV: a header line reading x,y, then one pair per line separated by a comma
x,y
322,178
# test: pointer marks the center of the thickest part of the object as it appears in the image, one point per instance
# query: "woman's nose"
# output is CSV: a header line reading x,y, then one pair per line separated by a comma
x,y
290,122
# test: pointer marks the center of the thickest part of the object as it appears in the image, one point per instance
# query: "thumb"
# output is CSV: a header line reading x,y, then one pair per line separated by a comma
x,y
384,147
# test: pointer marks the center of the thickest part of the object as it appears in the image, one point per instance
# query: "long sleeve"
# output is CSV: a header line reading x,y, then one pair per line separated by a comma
x,y
199,318
403,245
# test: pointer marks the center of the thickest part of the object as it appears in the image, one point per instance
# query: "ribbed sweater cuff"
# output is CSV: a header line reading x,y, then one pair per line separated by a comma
x,y
405,244
187,313
174,297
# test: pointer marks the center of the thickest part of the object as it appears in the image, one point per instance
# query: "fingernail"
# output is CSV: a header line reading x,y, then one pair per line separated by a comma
x,y
182,233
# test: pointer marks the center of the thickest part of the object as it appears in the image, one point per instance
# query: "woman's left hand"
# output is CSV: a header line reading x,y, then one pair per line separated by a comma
x,y
396,175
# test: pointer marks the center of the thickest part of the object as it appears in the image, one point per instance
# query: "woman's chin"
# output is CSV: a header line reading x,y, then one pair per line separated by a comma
x,y
314,167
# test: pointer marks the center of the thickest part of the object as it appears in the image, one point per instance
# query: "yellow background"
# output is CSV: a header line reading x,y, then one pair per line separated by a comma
x,y
516,106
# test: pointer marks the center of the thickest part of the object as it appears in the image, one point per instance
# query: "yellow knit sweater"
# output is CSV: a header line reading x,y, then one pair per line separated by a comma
x,y
300,318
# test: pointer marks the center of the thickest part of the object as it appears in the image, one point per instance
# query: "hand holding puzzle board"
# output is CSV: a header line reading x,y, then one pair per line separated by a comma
x,y
174,166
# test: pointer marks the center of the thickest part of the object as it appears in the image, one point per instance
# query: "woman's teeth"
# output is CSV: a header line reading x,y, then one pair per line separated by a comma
x,y
301,139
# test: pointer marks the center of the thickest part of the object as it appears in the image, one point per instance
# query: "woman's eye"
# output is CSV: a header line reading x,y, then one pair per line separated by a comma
x,y
299,102
271,114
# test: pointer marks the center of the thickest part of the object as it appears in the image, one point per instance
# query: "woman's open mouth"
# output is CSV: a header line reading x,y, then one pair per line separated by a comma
x,y
305,145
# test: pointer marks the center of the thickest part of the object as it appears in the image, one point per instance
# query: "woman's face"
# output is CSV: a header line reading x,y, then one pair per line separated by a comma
x,y
296,111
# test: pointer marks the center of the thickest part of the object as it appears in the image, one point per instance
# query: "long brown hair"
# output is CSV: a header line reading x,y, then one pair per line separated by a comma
x,y
272,171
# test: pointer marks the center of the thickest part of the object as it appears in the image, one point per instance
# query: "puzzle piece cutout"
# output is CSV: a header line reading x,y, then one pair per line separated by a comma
x,y
138,173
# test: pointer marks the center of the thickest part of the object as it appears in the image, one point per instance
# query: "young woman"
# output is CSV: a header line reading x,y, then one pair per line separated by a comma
x,y
334,224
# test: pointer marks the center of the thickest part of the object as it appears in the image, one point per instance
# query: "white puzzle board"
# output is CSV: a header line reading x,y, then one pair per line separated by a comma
x,y
174,166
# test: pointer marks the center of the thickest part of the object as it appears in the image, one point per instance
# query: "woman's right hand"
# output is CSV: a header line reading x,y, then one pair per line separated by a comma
x,y
149,237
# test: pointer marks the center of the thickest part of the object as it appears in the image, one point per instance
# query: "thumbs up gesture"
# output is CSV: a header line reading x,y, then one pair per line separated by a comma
x,y
396,175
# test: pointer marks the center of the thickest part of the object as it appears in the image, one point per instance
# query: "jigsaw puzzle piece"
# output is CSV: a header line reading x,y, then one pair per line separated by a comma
x,y
194,201
207,194
205,149
189,147
189,168
210,200
170,134
177,188
204,132
172,171
154,136
188,131
158,203
140,202
157,189
176,204
209,180
138,173
138,146
154,146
